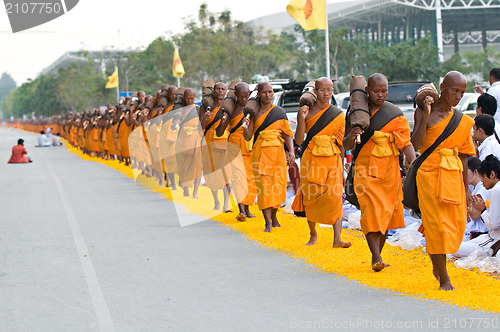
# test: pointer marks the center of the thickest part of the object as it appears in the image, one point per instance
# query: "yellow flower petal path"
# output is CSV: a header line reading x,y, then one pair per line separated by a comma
x,y
410,272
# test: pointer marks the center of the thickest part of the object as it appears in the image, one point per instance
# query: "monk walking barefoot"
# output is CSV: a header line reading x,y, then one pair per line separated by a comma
x,y
377,177
442,191
320,189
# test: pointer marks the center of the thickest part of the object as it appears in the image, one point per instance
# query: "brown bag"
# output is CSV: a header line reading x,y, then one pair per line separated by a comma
x,y
308,97
252,106
424,91
229,103
360,112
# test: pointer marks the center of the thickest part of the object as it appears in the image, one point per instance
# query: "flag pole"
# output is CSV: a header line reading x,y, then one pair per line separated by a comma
x,y
178,82
327,45
117,96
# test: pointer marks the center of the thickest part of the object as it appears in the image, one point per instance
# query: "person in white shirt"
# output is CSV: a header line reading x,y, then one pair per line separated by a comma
x,y
494,90
43,140
490,210
484,129
487,104
56,140
475,225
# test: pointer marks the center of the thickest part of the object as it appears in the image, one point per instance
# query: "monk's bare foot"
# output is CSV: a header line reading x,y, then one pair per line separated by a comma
x,y
186,192
276,223
268,229
195,195
340,244
446,286
241,217
249,215
379,266
217,206
312,240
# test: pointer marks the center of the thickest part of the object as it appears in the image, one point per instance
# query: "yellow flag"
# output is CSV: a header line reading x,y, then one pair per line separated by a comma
x,y
113,79
310,14
177,68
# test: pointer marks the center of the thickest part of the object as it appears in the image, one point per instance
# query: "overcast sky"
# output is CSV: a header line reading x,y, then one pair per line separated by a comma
x,y
118,24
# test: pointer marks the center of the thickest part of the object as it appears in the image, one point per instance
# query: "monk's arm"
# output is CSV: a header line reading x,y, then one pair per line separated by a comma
x,y
301,125
290,155
420,128
222,125
409,152
202,117
465,171
350,138
248,130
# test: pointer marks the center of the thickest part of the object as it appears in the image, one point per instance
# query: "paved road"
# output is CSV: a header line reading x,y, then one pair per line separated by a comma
x,y
85,249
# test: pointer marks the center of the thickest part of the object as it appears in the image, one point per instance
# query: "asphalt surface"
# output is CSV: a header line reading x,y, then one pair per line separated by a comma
x,y
83,248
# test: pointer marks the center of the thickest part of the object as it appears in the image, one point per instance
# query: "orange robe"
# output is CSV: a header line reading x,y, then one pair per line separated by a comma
x,y
321,187
377,178
216,168
238,150
109,141
152,132
94,139
188,151
441,191
123,133
166,144
81,137
116,139
268,162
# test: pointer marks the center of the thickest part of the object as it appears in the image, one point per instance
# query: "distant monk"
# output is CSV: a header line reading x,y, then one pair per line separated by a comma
x,y
168,137
239,153
377,176
321,173
443,193
216,169
188,146
19,153
269,129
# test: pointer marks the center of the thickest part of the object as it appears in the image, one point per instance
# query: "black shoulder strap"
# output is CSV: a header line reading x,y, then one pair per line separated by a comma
x,y
385,114
238,125
119,124
218,116
277,113
450,128
328,116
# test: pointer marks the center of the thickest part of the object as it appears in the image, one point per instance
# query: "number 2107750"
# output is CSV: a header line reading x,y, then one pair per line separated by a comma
x,y
33,8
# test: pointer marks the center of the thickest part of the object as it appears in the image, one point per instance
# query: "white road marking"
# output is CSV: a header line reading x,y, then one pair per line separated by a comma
x,y
100,305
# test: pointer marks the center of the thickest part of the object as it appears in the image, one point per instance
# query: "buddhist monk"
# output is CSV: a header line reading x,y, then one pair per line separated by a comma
x,y
269,129
216,169
124,129
321,173
239,153
442,178
117,117
188,145
168,137
109,133
377,177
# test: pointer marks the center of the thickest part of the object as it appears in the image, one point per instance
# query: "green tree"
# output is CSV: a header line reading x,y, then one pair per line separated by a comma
x,y
7,83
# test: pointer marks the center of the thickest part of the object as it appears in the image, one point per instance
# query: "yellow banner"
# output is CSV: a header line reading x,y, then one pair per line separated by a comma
x,y
113,79
310,14
177,68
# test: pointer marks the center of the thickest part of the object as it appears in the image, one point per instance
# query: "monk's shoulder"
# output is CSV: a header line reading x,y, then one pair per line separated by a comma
x,y
391,108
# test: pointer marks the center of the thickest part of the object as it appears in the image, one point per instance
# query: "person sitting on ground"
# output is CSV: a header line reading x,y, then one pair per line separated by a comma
x,y
475,226
43,140
18,153
484,129
490,210
56,140
487,104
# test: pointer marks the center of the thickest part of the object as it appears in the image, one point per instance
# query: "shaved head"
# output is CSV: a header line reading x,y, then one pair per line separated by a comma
x,y
454,77
263,85
241,87
320,80
377,77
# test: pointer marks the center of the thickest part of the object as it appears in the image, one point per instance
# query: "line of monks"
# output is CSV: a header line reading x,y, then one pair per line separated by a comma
x,y
248,148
